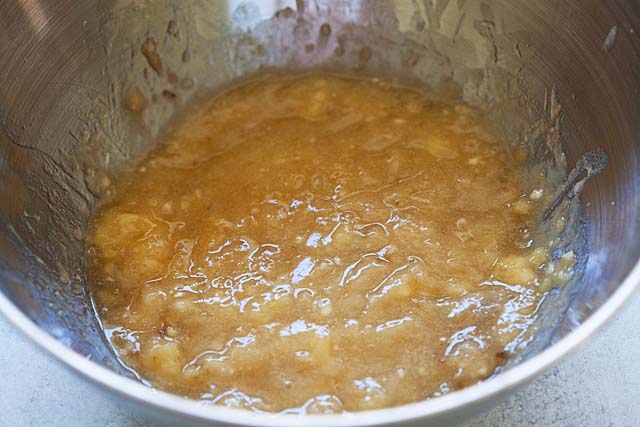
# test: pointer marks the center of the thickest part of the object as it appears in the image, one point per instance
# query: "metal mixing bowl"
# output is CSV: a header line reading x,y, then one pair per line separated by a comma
x,y
549,72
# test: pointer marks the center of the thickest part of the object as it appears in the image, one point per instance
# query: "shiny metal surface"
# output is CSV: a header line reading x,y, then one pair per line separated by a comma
x,y
67,67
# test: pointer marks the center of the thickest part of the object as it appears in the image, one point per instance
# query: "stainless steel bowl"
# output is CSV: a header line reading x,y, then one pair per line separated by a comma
x,y
67,69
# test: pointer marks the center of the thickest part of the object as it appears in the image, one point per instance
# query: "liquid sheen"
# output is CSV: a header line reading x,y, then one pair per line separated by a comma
x,y
319,244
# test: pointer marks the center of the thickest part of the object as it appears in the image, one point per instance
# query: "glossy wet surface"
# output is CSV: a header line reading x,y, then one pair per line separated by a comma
x,y
319,244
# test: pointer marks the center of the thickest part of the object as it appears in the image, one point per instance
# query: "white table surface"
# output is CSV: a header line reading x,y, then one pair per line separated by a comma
x,y
597,386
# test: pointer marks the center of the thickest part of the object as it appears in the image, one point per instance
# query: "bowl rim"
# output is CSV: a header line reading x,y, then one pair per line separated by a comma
x,y
449,404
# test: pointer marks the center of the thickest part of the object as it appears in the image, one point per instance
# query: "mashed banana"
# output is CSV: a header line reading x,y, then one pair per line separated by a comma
x,y
319,244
